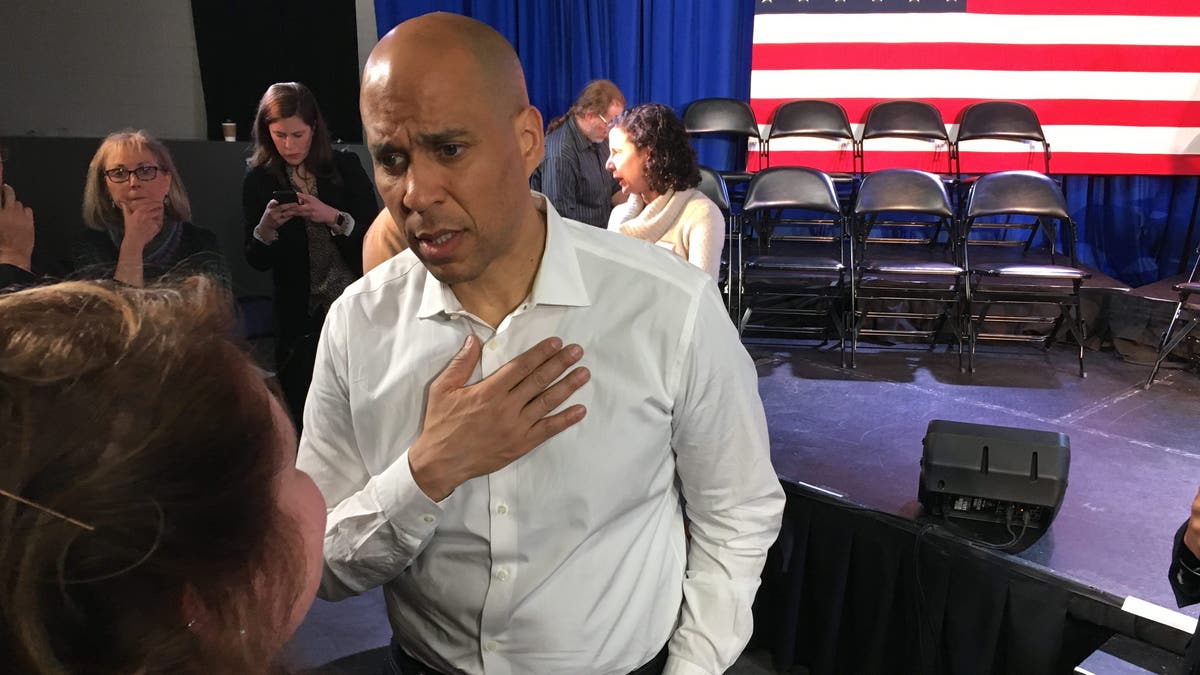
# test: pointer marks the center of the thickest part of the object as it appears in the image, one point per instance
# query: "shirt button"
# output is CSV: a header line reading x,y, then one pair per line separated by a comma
x,y
502,509
493,345
490,646
502,575
427,518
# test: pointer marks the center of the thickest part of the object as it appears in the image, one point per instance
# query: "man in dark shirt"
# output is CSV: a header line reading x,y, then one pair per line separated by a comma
x,y
572,174
1185,576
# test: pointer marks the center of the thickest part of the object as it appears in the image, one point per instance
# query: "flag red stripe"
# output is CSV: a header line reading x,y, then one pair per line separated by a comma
x,y
1050,111
1084,7
975,56
1061,163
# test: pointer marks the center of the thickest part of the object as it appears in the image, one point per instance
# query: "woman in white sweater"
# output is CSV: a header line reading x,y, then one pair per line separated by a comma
x,y
650,157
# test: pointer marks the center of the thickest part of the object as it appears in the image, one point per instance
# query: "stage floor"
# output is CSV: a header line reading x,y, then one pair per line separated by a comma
x,y
1135,462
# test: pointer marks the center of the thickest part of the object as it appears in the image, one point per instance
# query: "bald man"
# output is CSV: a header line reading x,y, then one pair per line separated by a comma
x,y
523,506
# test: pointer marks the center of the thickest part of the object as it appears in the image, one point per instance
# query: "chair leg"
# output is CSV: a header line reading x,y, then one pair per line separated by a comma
x,y
855,323
1169,342
1080,335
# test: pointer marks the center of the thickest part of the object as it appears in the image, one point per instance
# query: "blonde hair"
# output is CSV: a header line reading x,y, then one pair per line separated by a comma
x,y
99,211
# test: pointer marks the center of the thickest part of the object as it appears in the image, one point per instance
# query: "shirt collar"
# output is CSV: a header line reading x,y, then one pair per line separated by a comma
x,y
559,280
581,141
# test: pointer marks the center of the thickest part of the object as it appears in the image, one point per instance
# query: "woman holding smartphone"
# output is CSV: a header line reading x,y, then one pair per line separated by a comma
x,y
306,209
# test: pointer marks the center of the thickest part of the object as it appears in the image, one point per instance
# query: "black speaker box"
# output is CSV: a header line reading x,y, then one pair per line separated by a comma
x,y
1006,475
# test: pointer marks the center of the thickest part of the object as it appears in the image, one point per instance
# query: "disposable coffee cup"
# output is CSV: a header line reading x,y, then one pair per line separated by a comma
x,y
229,131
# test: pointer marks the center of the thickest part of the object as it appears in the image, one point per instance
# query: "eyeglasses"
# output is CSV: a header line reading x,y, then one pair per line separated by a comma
x,y
603,119
143,173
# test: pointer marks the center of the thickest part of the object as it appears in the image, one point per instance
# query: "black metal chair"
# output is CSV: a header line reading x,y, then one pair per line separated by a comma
x,y
806,285
1187,311
906,282
713,187
999,121
813,118
1020,280
725,117
915,120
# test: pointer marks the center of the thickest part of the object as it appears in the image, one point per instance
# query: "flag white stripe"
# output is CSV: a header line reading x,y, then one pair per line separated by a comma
x,y
1063,138
977,28
982,84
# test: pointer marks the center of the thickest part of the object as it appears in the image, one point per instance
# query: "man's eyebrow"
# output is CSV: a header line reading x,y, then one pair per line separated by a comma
x,y
383,149
438,138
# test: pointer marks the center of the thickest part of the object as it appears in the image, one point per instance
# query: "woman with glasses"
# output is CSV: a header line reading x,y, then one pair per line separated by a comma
x,y
650,157
152,518
138,216
306,210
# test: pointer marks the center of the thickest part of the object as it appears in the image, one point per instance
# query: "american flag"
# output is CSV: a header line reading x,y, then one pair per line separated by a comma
x,y
1116,83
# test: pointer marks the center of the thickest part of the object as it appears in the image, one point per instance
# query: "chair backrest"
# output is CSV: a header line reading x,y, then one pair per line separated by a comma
x,y
1028,201
905,119
817,118
903,190
720,116
1016,193
792,187
713,187
912,120
1000,120
824,121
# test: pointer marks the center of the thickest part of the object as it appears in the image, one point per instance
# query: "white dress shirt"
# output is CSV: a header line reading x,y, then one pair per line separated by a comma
x,y
572,559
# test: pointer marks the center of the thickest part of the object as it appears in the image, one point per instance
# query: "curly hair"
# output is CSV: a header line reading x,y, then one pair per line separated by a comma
x,y
671,164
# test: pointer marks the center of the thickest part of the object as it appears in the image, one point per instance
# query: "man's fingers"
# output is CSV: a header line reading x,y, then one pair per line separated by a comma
x,y
551,426
541,405
511,374
459,370
546,373
10,195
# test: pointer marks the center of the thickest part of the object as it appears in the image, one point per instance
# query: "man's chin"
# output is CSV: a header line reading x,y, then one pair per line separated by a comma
x,y
449,273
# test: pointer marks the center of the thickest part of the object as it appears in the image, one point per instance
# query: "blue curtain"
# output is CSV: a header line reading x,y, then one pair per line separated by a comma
x,y
1137,229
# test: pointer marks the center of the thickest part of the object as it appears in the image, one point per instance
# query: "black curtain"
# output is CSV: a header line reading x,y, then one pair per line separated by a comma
x,y
849,590
244,47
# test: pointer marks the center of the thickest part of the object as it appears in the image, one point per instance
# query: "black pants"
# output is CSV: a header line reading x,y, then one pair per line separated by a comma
x,y
400,663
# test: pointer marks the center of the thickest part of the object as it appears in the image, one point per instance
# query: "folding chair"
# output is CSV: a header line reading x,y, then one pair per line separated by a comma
x,y
1187,311
807,285
713,187
817,119
999,121
912,120
900,269
1025,279
725,117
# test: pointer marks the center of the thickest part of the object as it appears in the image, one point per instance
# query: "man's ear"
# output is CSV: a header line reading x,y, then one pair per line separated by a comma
x,y
530,138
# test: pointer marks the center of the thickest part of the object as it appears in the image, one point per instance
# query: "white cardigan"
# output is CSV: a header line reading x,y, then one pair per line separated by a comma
x,y
686,222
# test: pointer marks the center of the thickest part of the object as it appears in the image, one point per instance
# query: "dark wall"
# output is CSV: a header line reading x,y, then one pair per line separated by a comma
x,y
48,175
244,47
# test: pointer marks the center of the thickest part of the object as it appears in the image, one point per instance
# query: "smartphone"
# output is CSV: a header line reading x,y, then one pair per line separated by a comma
x,y
284,196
